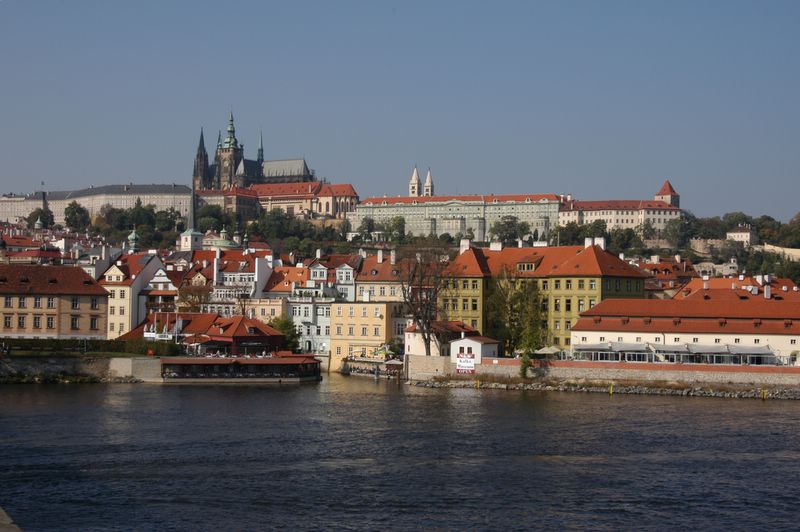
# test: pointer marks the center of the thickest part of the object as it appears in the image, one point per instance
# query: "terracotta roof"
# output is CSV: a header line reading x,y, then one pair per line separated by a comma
x,y
689,325
372,271
666,189
342,189
47,280
274,360
471,263
237,326
235,191
483,198
480,339
696,308
617,205
723,288
130,265
287,189
283,276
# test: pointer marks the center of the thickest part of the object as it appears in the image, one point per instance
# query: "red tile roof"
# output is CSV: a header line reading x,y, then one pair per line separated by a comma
x,y
617,205
696,308
47,280
484,198
283,276
372,271
666,189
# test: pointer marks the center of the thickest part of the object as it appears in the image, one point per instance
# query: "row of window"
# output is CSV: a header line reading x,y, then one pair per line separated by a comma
x,y
49,322
351,312
296,311
22,302
465,284
112,294
111,327
111,311
695,340
381,291
309,329
466,304
351,330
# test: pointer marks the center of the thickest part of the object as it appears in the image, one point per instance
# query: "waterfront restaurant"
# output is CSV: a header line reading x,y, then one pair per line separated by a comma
x,y
278,370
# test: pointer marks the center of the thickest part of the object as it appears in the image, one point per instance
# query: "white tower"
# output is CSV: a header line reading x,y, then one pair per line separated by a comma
x,y
427,189
413,185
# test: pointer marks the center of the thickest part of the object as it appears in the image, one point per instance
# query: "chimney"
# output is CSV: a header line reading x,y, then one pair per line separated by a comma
x,y
519,242
600,241
463,245
569,197
587,242
205,264
463,334
678,259
103,252
705,284
495,246
621,256
380,256
741,277
318,253
655,259
760,279
794,288
767,292
392,257
362,253
785,288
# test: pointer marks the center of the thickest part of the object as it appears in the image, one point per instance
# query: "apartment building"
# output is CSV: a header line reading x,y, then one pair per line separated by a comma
x,y
126,281
51,302
360,330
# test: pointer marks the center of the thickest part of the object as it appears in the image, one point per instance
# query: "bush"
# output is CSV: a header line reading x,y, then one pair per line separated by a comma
x,y
136,347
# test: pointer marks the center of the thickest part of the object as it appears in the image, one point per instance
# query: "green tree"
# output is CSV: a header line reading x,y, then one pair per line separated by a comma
x,y
284,324
508,229
676,232
396,230
166,220
514,313
76,216
366,228
41,213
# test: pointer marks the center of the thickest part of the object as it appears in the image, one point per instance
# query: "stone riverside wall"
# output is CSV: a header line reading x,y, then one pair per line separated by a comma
x,y
104,369
425,368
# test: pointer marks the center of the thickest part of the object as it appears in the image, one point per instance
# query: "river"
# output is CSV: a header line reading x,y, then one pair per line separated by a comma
x,y
354,453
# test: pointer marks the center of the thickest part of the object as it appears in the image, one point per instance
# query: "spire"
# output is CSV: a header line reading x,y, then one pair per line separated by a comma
x,y
219,139
260,156
413,184
428,187
202,146
230,140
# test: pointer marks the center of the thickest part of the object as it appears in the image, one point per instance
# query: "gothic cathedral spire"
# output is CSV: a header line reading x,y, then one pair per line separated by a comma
x,y
200,176
413,184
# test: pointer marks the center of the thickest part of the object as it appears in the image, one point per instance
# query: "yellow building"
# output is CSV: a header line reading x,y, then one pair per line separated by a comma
x,y
359,330
51,302
462,296
570,279
379,280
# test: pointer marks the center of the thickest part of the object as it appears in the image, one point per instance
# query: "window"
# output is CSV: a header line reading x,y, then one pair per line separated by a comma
x,y
545,284
37,322
51,302
591,303
557,325
363,331
676,340
592,284
75,303
351,311
350,330
392,291
568,325
580,284
338,350
757,341
8,302
37,302
695,340
568,284
717,340
602,338
21,322
21,302
121,328
364,312
568,304
465,304
382,290
338,330
566,341
327,330
376,331
7,322
474,284
557,305
111,327
50,322
557,284
111,311
93,323
74,322
338,311
793,341
465,284
122,295
581,305
121,311
474,304
638,338
95,304
112,294
583,338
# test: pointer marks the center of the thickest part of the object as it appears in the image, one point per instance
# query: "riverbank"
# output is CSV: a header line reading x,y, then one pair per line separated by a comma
x,y
728,391
6,524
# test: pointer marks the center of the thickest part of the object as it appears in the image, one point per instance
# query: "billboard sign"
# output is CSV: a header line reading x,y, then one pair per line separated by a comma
x,y
465,363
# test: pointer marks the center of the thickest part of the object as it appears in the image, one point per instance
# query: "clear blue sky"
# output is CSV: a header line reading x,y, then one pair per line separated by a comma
x,y
598,99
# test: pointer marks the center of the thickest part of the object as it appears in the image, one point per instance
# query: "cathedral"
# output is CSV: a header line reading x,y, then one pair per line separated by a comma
x,y
230,169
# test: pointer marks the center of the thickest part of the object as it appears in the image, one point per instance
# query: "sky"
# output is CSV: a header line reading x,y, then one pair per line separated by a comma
x,y
601,100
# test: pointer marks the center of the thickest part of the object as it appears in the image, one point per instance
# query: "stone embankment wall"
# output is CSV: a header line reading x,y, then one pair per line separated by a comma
x,y
104,369
426,368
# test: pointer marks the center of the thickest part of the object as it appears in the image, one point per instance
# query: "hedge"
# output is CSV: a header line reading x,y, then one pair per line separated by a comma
x,y
109,346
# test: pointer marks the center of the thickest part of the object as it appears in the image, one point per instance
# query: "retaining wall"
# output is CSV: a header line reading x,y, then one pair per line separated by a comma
x,y
425,368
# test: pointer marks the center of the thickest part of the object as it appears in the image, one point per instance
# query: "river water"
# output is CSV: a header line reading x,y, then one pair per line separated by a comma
x,y
354,453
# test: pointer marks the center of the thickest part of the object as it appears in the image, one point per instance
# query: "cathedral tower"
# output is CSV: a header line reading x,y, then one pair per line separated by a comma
x,y
229,155
201,177
427,189
413,185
